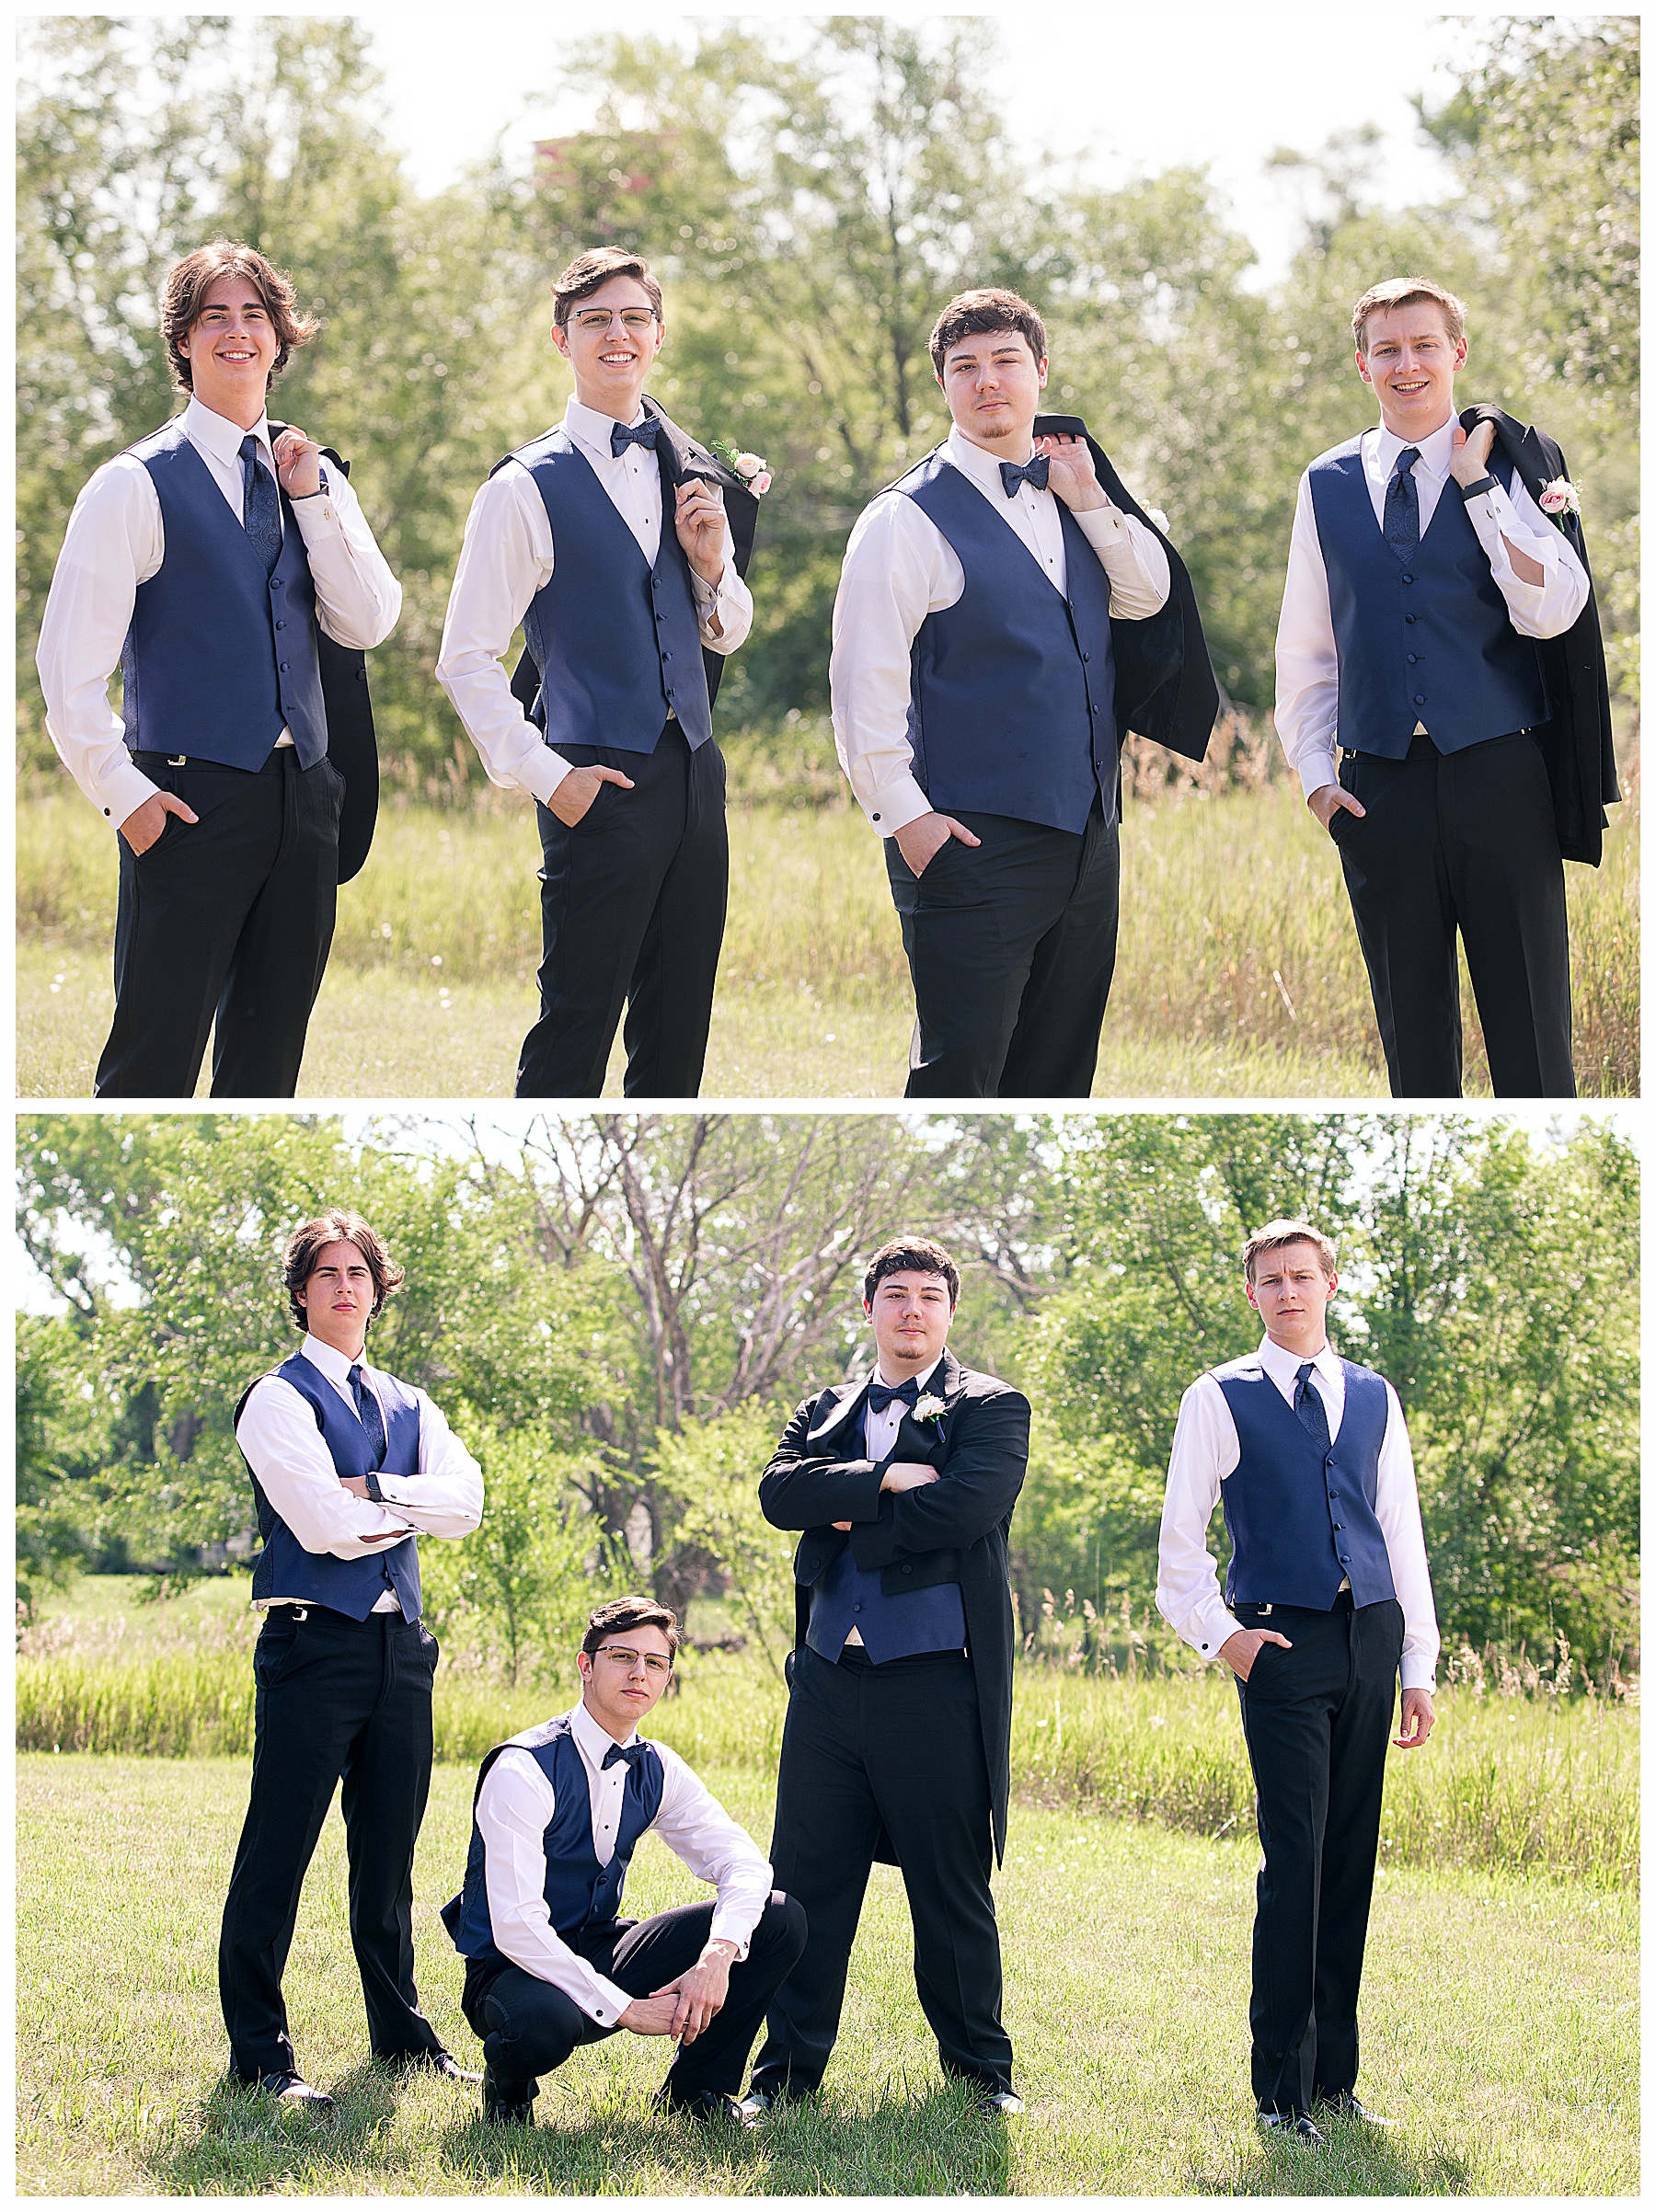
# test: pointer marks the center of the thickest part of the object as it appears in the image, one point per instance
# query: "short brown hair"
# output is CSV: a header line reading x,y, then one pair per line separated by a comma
x,y
587,271
1403,292
622,1613
919,1252
307,1244
186,287
1279,1233
969,313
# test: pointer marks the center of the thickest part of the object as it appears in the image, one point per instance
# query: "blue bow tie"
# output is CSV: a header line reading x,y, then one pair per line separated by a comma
x,y
641,433
881,1395
1032,473
630,1755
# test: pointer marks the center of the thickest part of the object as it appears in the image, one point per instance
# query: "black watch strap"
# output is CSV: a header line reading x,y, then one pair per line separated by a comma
x,y
1470,491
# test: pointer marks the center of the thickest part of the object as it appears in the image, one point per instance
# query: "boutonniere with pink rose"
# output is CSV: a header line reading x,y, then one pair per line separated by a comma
x,y
752,468
1559,497
928,1408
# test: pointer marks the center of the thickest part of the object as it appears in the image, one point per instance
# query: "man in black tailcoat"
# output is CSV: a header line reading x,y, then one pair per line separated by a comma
x,y
897,1742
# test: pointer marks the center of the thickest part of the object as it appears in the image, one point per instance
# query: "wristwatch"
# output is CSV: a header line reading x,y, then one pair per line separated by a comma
x,y
1486,483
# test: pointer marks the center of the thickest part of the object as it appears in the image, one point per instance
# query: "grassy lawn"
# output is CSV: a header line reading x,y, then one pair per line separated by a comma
x,y
1238,972
1500,2027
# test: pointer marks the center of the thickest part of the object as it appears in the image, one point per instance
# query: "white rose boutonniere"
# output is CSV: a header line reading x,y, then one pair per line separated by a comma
x,y
752,468
928,1408
1559,497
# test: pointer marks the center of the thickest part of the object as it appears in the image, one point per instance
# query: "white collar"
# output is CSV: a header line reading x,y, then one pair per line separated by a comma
x,y
1283,1366
975,462
222,438
1436,452
879,1375
593,1742
334,1365
591,430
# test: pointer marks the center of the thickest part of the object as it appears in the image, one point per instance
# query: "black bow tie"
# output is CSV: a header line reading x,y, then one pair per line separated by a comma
x,y
1032,473
630,1755
641,433
880,1396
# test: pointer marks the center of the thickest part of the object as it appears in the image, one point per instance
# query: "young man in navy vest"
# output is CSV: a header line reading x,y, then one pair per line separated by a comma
x,y
1325,1598
898,1739
349,1468
1421,575
556,1817
606,537
977,699
202,561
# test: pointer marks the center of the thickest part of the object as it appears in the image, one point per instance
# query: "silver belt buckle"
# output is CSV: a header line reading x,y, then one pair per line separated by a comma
x,y
176,760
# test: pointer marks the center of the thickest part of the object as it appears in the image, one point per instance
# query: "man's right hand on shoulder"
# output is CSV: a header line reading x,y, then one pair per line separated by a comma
x,y
145,823
922,840
1326,803
575,794
649,2015
1240,1651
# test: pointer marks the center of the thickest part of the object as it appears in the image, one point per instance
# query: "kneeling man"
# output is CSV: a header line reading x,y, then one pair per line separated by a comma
x,y
549,1962
1327,1596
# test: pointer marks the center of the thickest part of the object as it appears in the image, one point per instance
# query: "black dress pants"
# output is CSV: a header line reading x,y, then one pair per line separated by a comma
x,y
334,1697
528,2028
898,1746
1461,840
224,925
1316,1719
1011,948
632,913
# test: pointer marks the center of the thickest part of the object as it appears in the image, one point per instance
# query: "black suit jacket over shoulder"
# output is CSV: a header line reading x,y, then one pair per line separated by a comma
x,y
954,1530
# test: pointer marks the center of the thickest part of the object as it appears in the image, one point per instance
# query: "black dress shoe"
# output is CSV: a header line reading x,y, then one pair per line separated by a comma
x,y
706,2107
1298,2124
508,2103
758,2101
426,2062
1007,2102
289,2090
1345,2107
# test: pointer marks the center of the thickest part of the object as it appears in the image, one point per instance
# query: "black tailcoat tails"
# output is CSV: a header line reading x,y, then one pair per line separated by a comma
x,y
908,1762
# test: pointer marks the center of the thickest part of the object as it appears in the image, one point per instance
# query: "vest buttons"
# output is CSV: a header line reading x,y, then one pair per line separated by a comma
x,y
1413,659
282,666
1087,656
1411,618
1407,578
282,626
1419,699
907,1570
275,583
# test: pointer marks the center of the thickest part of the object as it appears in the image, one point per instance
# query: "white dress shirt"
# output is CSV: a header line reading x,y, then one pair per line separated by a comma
x,y
281,1442
900,567
1307,695
507,557
515,1809
1206,1449
115,542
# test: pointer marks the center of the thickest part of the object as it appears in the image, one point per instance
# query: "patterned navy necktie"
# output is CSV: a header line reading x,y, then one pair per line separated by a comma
x,y
1403,506
368,1414
1032,473
1313,1412
261,506
641,433
880,1394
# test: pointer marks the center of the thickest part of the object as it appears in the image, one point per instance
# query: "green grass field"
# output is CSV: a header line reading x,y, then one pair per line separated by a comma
x,y
1500,2028
1239,972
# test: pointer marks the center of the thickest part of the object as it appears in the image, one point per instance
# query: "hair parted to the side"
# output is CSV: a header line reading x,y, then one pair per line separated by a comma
x,y
587,271
186,285
308,1242
921,1253
1404,292
971,314
622,1614
1279,1233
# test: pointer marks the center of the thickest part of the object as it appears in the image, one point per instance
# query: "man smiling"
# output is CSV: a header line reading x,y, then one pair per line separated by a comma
x,y
203,561
1328,1597
618,543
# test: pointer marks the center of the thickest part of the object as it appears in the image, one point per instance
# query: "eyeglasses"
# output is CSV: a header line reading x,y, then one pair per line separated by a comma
x,y
636,319
654,1664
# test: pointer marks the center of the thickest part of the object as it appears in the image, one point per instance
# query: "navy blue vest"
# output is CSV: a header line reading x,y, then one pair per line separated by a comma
x,y
1300,1522
218,656
578,1892
846,1596
1012,689
285,1569
615,641
1427,639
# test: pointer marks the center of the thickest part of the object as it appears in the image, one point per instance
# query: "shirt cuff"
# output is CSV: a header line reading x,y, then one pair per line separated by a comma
x,y
705,594
1104,528
727,1928
614,2001
305,512
542,772
1210,1635
1417,1672
1317,772
122,791
898,805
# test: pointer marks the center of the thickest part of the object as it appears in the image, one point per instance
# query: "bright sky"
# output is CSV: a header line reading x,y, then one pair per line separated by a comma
x,y
1135,91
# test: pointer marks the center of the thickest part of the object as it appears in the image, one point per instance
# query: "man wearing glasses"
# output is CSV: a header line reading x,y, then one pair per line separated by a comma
x,y
549,1962
606,538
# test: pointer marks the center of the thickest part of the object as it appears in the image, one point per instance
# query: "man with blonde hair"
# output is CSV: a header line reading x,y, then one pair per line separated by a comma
x,y
1439,628
1327,1596
210,561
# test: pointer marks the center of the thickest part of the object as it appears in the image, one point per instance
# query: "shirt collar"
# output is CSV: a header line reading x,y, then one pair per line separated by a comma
x,y
1436,451
972,461
334,1365
221,437
593,1742
880,1375
591,430
1283,1366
